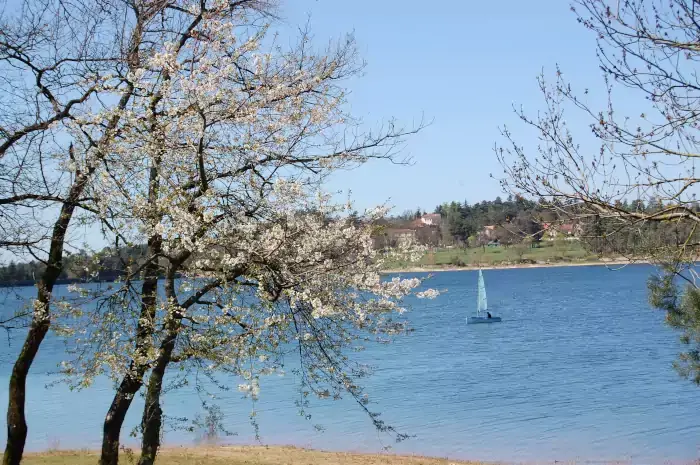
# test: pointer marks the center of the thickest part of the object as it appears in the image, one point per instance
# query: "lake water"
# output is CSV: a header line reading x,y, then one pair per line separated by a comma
x,y
580,369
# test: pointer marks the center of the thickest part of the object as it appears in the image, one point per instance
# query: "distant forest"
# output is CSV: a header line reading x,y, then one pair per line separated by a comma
x,y
462,223
514,220
106,265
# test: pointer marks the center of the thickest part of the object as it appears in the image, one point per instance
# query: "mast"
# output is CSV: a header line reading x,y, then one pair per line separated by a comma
x,y
482,305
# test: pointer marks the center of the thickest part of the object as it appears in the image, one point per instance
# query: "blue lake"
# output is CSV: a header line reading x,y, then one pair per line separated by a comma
x,y
580,369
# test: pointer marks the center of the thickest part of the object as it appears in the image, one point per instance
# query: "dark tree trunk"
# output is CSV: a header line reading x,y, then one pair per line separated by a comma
x,y
152,420
133,380
41,321
114,420
16,422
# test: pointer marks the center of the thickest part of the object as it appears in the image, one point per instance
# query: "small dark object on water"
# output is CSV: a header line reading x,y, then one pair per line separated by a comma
x,y
488,314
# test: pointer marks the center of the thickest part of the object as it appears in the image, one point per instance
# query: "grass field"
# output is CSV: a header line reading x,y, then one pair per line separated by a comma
x,y
244,455
552,252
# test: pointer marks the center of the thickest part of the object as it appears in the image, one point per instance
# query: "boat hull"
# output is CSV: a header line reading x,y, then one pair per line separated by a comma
x,y
478,319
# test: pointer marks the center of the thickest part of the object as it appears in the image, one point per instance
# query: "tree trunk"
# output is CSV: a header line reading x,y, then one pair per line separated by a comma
x,y
152,420
114,420
133,380
16,422
41,321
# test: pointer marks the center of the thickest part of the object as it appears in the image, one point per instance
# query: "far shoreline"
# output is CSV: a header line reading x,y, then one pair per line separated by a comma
x,y
441,268
413,269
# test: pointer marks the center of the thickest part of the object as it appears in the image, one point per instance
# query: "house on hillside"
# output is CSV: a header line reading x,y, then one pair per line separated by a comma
x,y
487,234
427,229
431,219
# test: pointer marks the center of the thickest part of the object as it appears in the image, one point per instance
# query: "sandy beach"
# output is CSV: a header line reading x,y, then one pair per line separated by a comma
x,y
263,455
249,455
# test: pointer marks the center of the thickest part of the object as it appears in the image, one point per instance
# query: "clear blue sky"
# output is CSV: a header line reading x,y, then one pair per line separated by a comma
x,y
460,63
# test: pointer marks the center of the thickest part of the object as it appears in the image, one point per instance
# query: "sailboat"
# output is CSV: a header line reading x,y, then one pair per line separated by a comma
x,y
482,313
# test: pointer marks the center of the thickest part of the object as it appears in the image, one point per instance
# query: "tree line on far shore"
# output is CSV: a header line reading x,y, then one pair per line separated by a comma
x,y
515,220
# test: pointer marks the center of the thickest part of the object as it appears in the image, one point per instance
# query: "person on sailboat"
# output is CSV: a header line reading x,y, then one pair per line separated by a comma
x,y
488,314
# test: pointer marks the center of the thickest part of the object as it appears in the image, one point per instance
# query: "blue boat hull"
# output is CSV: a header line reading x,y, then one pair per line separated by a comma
x,y
478,319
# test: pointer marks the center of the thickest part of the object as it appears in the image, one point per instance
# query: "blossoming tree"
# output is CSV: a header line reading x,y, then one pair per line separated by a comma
x,y
218,165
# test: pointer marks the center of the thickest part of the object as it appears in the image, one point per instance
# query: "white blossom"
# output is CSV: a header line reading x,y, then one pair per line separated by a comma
x,y
428,294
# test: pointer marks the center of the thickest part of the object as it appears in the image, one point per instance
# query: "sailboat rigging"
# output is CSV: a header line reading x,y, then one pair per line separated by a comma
x,y
482,312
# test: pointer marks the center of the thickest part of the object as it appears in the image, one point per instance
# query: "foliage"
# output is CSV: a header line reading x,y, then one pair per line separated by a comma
x,y
520,220
682,306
